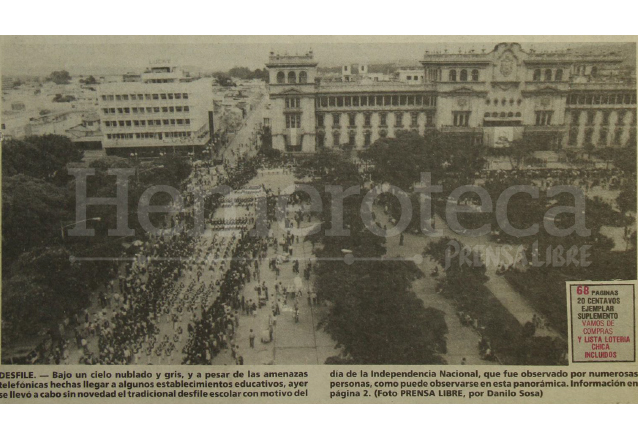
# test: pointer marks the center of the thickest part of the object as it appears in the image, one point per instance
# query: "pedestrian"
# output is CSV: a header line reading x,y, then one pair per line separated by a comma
x,y
251,338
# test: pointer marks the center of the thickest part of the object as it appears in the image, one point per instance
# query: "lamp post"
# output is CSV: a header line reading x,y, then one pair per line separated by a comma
x,y
63,227
134,157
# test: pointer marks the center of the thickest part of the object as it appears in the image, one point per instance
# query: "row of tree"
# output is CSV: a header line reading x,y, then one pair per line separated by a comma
x,y
226,78
375,316
453,163
41,284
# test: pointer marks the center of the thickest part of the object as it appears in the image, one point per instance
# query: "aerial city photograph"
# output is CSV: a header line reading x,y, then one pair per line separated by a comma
x,y
242,203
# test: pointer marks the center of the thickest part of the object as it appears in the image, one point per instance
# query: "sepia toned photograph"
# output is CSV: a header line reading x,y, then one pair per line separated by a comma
x,y
216,202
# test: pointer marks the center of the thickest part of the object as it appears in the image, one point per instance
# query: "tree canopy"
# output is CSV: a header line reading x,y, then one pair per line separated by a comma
x,y
60,77
43,157
400,160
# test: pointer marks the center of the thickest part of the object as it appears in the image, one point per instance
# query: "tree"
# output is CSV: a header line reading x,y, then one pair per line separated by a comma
x,y
31,213
58,98
627,198
376,318
89,81
45,287
42,157
398,161
232,121
60,77
521,150
223,79
401,160
625,159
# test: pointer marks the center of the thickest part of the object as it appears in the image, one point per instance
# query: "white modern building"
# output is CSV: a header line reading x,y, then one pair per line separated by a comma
x,y
166,110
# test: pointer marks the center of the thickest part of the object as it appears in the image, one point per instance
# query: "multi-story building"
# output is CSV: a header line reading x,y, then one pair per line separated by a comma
x,y
166,110
410,75
558,99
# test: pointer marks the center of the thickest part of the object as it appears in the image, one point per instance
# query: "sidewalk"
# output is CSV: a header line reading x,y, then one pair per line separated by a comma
x,y
462,341
293,343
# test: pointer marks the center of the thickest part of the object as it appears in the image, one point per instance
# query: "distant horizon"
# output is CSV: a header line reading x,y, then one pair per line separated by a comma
x,y
39,56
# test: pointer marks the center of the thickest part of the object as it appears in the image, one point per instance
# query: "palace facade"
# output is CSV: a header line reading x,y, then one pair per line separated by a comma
x,y
559,99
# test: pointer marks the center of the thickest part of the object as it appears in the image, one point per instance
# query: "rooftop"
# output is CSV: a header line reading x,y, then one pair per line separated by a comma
x,y
292,60
566,55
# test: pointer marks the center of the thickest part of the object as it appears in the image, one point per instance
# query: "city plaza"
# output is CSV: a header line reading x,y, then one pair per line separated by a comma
x,y
561,100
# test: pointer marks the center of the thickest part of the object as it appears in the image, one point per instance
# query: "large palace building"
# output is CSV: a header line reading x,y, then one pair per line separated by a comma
x,y
558,99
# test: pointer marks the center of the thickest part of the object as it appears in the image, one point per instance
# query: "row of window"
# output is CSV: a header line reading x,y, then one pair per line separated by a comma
x,y
292,78
581,70
159,136
601,99
336,139
293,102
544,118
603,135
367,119
143,110
503,101
591,117
503,114
293,120
143,123
463,75
547,75
145,96
461,118
379,101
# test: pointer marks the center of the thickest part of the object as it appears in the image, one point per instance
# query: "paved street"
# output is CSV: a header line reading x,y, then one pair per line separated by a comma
x,y
244,140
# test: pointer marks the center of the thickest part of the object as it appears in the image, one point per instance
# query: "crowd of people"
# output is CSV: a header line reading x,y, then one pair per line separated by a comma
x,y
215,329
145,288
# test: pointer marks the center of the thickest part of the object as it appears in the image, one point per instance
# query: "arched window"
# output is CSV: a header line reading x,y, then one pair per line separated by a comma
x,y
495,114
281,78
559,75
594,71
486,115
292,77
510,114
548,75
537,75
502,114
504,102
452,75
475,75
464,75
518,114
303,77
495,101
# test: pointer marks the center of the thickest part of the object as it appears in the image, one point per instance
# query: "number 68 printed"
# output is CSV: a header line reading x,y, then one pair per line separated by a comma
x,y
582,289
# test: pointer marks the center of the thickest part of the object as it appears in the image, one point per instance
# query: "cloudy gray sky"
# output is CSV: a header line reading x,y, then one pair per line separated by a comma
x,y
106,55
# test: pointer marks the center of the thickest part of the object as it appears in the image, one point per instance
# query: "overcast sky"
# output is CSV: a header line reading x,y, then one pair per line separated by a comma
x,y
113,55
